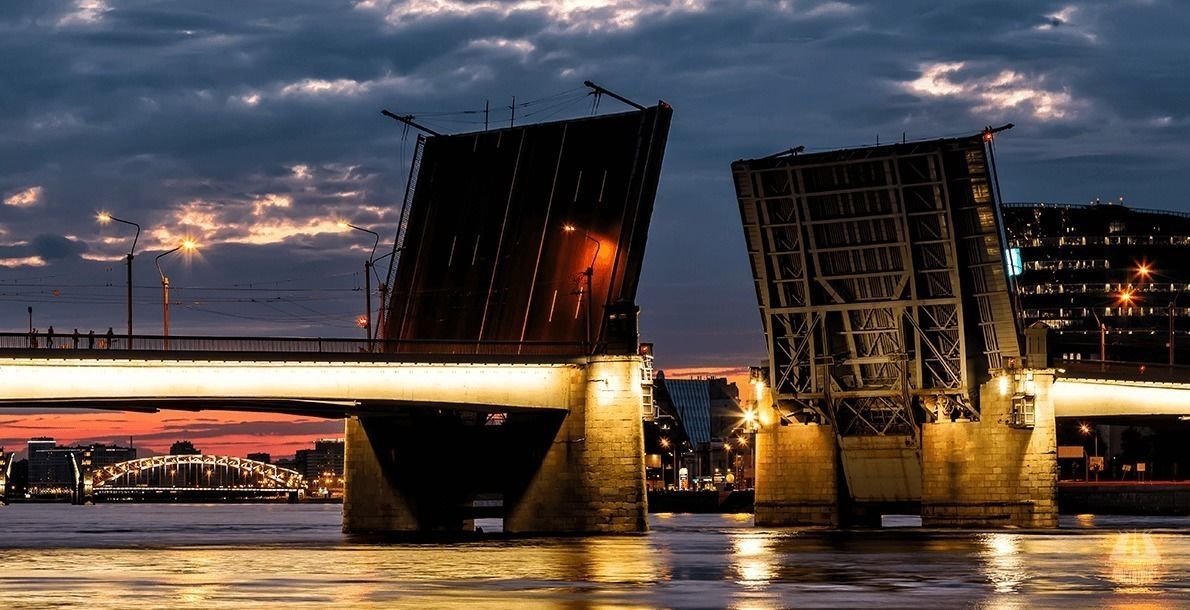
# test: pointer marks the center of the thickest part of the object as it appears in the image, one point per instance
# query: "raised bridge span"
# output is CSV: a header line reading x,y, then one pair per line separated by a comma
x,y
899,376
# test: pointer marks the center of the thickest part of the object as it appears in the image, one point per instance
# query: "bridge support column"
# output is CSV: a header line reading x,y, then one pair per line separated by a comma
x,y
796,473
592,476
997,472
373,500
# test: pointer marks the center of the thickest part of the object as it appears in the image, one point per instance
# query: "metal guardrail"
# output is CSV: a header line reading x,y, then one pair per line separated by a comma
x,y
25,342
1153,372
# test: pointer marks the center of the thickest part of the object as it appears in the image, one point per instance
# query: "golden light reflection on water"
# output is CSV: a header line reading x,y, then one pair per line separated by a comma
x,y
1134,564
1002,562
753,558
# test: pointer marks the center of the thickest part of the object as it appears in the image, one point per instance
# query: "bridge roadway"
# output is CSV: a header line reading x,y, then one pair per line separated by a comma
x,y
332,385
1084,389
567,458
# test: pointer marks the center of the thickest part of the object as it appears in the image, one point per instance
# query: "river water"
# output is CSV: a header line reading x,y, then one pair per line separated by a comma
x,y
262,556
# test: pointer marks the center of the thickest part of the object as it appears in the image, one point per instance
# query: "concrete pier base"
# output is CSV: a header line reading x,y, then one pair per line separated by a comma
x,y
591,478
576,469
380,494
994,472
796,473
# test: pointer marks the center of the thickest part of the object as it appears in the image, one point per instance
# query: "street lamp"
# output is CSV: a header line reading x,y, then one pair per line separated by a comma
x,y
588,273
1145,271
1086,430
105,218
367,278
187,246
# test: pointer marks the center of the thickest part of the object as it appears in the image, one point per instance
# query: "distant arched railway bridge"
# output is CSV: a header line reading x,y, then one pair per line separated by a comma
x,y
184,477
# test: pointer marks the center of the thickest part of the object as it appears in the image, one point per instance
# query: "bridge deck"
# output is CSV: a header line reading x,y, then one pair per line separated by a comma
x,y
329,383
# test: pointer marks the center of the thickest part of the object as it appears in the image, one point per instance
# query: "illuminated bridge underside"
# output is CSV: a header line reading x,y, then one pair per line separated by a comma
x,y
880,279
324,388
1113,398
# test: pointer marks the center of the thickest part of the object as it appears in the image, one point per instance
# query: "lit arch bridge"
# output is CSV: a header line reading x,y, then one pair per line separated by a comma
x,y
185,477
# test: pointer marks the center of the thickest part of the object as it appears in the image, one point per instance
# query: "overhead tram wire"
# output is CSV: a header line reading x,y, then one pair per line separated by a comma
x,y
497,114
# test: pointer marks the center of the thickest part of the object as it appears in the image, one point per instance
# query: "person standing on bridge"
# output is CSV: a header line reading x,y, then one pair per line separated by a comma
x,y
33,339
74,338
91,339
111,336
49,337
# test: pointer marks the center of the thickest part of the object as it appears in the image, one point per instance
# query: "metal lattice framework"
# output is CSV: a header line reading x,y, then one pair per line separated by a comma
x,y
270,476
879,272
6,460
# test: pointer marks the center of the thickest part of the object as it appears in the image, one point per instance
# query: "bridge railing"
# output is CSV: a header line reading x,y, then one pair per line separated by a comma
x,y
1124,371
316,345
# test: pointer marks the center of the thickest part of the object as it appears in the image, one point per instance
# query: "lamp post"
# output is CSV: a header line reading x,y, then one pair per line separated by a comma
x,y
187,245
1145,271
1086,430
589,273
105,218
367,278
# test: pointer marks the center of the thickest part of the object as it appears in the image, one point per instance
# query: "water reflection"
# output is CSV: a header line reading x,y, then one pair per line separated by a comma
x,y
1134,564
753,558
1002,561
136,556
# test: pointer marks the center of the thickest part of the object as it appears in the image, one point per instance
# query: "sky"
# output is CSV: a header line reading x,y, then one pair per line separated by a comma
x,y
254,127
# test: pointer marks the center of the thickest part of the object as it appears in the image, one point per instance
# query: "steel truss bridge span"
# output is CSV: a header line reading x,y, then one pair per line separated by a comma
x,y
219,472
881,281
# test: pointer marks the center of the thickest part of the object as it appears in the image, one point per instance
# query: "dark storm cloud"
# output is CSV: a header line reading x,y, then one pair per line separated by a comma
x,y
253,127
195,430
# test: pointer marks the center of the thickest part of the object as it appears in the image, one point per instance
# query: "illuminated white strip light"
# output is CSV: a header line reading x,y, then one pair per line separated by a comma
x,y
1097,398
512,385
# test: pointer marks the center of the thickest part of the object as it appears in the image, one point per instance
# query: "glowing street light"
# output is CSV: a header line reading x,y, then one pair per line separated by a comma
x,y
1086,430
589,274
367,326
187,246
105,218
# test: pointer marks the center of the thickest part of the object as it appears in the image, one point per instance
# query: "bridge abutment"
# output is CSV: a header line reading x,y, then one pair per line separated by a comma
x,y
999,471
796,473
574,471
591,478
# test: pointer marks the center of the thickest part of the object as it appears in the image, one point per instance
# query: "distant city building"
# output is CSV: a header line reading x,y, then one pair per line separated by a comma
x,y
48,467
325,457
107,455
700,420
261,457
322,467
183,448
1079,266
52,467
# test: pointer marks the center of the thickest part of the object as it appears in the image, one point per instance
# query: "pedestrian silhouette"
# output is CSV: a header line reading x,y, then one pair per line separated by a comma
x,y
49,338
33,339
91,339
110,336
75,338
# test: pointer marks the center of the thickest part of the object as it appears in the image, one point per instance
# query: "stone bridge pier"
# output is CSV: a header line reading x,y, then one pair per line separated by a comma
x,y
999,471
573,467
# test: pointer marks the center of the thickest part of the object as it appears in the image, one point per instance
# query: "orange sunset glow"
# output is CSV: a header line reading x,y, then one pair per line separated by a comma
x,y
213,432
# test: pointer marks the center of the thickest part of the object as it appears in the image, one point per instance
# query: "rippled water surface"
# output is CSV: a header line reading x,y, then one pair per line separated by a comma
x,y
186,556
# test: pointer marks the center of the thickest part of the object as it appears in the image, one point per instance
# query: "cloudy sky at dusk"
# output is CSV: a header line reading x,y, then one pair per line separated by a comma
x,y
253,127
